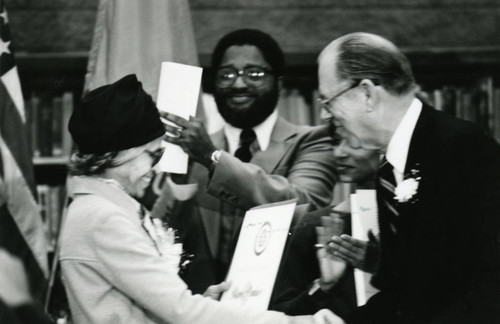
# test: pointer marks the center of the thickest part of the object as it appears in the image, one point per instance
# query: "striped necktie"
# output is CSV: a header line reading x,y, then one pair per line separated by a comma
x,y
386,185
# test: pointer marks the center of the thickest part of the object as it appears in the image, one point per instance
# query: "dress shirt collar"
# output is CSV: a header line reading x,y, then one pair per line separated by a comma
x,y
262,131
397,150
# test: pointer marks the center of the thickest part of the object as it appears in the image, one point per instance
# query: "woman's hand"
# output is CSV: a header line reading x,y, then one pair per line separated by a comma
x,y
215,291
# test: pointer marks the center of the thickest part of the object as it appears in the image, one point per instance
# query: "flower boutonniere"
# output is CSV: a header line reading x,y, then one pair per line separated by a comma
x,y
407,189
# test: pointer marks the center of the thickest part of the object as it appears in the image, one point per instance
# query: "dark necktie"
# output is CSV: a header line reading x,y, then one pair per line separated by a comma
x,y
386,185
247,137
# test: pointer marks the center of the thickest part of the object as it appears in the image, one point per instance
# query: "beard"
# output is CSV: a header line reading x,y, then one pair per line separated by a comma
x,y
246,115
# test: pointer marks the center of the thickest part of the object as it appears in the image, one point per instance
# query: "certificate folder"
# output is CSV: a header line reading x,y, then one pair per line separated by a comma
x,y
258,254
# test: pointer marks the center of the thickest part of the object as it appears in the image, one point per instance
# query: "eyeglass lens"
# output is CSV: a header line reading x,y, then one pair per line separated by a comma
x,y
253,76
156,155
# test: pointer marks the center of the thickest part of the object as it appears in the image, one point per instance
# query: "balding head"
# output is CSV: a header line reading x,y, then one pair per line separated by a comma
x,y
359,56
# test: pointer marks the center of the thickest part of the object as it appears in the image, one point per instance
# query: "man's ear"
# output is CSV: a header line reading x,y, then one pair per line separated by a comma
x,y
370,93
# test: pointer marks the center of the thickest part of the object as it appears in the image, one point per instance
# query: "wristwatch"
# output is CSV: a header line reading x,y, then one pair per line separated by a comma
x,y
215,157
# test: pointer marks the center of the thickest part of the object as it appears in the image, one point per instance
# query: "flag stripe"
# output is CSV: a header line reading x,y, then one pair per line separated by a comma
x,y
13,241
21,226
13,87
13,132
23,207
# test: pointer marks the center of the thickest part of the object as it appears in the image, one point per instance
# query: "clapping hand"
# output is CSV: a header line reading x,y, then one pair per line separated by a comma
x,y
191,136
360,254
331,267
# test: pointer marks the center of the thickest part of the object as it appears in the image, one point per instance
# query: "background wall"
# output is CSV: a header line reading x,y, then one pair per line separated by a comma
x,y
302,27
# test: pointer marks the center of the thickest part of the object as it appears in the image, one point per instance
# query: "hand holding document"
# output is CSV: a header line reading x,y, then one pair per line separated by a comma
x,y
364,218
258,255
191,136
178,94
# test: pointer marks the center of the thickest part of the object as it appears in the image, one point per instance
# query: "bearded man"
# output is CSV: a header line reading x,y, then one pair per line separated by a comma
x,y
257,157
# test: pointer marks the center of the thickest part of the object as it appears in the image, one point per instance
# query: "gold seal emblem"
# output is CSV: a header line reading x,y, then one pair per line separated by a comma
x,y
262,238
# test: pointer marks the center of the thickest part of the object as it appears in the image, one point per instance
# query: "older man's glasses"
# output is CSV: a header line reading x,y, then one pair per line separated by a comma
x,y
156,155
254,76
325,103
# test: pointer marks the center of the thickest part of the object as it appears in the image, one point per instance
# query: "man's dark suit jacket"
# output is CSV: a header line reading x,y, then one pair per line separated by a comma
x,y
299,268
443,266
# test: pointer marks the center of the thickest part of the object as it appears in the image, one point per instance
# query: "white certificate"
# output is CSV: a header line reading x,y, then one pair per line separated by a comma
x,y
258,255
178,94
364,217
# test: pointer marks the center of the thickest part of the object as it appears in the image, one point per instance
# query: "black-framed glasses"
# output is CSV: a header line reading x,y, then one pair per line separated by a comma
x,y
156,155
325,103
254,76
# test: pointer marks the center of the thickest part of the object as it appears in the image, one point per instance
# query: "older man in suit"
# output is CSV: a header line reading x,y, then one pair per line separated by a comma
x,y
257,157
438,189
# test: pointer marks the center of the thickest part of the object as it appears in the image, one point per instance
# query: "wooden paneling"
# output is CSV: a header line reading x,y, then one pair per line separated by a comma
x,y
300,26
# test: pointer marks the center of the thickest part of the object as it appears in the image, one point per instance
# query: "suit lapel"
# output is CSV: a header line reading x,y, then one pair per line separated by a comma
x,y
419,140
280,143
418,156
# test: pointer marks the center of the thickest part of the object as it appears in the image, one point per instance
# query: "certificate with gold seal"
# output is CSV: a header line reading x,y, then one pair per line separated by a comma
x,y
258,254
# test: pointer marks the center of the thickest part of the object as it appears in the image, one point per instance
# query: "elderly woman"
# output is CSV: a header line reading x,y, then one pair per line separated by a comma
x,y
116,266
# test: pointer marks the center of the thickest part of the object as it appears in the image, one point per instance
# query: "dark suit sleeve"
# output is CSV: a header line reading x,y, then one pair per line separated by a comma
x,y
306,171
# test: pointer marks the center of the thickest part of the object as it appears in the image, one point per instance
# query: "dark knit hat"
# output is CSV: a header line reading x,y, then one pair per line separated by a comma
x,y
115,117
264,42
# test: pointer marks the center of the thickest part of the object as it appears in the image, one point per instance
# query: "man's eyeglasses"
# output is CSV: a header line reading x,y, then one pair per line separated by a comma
x,y
252,75
156,155
325,103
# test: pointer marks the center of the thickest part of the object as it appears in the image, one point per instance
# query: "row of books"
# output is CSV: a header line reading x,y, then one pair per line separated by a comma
x,y
47,124
479,103
51,201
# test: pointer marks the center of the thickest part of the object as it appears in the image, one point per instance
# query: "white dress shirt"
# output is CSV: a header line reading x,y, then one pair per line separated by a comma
x,y
397,150
262,131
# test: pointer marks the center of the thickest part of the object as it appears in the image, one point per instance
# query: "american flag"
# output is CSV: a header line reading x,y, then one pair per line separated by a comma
x,y
21,228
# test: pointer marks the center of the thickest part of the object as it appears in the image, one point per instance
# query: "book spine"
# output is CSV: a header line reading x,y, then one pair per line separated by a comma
x,y
57,126
45,126
67,110
33,125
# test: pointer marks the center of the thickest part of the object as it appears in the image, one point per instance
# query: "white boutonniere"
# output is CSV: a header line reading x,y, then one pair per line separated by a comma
x,y
408,188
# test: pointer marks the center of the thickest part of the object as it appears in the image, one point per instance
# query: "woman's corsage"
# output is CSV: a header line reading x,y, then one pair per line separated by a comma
x,y
165,239
407,189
